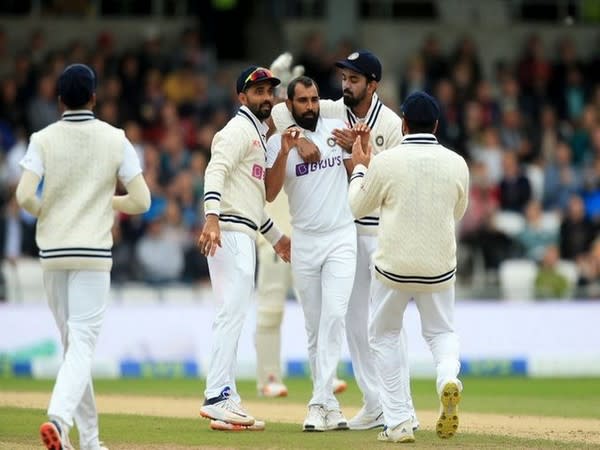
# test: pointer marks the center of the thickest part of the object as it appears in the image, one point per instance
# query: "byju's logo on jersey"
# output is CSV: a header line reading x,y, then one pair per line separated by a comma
x,y
258,172
306,168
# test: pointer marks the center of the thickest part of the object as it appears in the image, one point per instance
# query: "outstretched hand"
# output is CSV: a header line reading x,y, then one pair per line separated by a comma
x,y
360,154
210,237
282,69
283,248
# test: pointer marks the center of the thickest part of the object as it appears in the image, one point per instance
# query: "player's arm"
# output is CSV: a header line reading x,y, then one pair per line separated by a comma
x,y
280,242
365,192
463,201
137,199
26,193
33,171
278,149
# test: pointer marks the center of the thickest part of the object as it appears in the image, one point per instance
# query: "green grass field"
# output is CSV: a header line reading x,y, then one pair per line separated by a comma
x,y
551,398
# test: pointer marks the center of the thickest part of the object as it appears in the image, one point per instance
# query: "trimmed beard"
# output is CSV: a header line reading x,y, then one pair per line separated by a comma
x,y
308,123
260,113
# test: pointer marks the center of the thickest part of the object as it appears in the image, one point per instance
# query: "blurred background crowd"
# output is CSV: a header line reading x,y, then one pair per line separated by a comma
x,y
528,125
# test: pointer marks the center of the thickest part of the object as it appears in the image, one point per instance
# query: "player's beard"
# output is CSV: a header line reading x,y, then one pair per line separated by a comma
x,y
308,121
352,101
262,111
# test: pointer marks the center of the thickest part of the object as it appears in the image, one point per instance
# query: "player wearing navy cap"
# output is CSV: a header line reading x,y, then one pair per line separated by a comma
x,y
234,201
80,159
421,190
361,72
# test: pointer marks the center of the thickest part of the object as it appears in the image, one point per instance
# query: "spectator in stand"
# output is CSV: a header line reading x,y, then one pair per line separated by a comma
x,y
490,153
547,135
576,230
515,189
43,110
561,179
550,283
589,270
436,63
538,234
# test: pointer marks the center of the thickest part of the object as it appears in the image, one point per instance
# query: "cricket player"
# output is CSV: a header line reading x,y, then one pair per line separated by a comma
x,y
421,189
361,73
234,201
80,159
324,243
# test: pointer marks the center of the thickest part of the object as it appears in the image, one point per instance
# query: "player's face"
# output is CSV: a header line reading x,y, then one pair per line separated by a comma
x,y
259,99
354,87
305,106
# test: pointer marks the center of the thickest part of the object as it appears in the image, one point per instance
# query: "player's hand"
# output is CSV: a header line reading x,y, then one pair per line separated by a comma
x,y
290,139
308,151
344,137
282,69
361,155
210,237
362,130
283,248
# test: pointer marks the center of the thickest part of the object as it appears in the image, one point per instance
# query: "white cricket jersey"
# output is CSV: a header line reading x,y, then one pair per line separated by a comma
x,y
386,132
317,192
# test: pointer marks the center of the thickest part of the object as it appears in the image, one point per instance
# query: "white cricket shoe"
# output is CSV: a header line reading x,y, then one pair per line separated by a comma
x,y
219,425
450,396
273,388
315,419
335,420
225,409
402,433
339,386
366,420
54,437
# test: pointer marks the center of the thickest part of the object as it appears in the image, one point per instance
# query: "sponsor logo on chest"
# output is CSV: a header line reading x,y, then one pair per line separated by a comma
x,y
306,168
258,171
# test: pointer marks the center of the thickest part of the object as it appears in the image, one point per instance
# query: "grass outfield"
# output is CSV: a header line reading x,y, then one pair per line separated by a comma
x,y
576,398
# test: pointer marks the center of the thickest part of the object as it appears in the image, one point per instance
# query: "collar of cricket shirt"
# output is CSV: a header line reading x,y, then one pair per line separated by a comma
x,y
372,113
78,115
261,128
420,138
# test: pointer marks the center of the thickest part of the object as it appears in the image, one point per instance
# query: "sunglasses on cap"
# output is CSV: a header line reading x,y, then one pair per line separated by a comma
x,y
258,74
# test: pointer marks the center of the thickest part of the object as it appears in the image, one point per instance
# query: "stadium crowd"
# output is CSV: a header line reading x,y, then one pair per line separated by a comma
x,y
530,132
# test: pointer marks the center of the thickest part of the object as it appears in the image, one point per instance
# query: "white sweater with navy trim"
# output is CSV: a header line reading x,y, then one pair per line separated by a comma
x,y
234,187
422,190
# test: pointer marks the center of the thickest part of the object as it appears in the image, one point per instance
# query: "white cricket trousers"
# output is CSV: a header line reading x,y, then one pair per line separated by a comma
x,y
274,282
77,299
436,310
357,328
232,279
323,268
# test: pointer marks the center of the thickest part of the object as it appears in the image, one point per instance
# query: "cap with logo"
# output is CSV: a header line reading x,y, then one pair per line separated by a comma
x,y
255,74
363,62
76,85
420,107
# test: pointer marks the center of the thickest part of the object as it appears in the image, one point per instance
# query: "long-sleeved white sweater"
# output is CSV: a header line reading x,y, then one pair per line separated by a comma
x,y
422,190
234,187
386,132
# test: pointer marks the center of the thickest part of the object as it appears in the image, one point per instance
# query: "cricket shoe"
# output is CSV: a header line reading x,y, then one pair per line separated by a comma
x,y
447,423
225,409
335,420
219,425
53,438
315,419
366,420
273,389
339,386
402,433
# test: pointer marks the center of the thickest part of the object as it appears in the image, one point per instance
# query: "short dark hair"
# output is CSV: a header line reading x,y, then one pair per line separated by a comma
x,y
303,80
419,127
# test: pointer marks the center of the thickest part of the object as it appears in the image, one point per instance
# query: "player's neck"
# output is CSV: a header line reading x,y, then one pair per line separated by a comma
x,y
362,108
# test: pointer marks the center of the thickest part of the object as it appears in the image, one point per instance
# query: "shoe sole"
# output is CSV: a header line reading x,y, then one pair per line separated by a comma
x,y
234,421
219,425
447,423
312,428
403,440
50,436
278,395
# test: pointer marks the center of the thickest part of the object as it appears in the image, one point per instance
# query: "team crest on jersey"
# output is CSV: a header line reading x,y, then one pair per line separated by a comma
x,y
331,142
258,172
353,56
379,140
256,143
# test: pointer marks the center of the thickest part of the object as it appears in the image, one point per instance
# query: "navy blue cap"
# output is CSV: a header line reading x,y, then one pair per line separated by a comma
x,y
255,74
76,85
363,62
420,107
